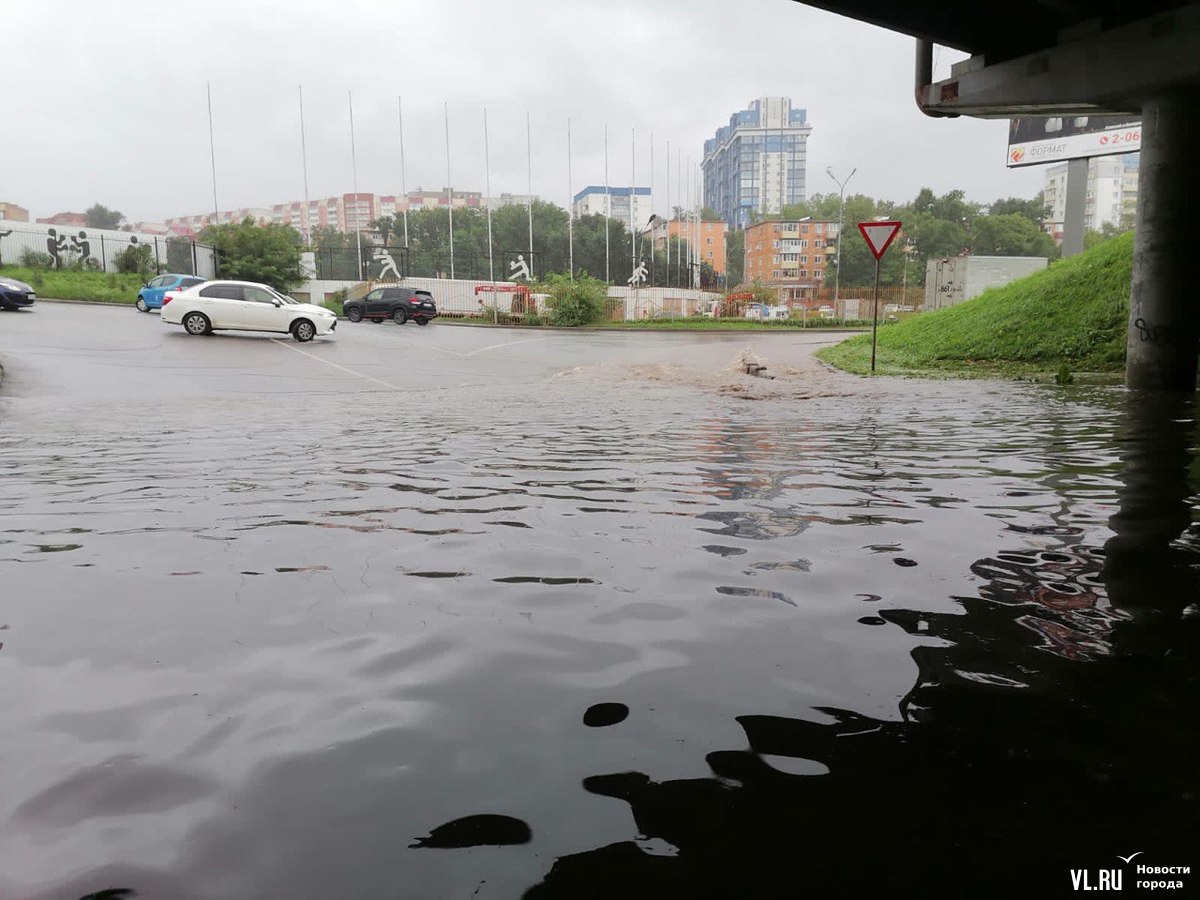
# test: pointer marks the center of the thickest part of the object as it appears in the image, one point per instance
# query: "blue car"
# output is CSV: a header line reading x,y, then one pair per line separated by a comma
x,y
151,295
15,294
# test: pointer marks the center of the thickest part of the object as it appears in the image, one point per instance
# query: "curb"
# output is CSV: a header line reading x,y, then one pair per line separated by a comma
x,y
461,323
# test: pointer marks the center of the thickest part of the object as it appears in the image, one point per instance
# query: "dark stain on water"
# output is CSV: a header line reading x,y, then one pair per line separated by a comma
x,y
486,830
601,715
1019,705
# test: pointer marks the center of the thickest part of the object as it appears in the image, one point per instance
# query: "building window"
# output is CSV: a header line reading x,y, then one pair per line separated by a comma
x,y
775,259
710,242
804,245
804,259
804,273
804,229
818,243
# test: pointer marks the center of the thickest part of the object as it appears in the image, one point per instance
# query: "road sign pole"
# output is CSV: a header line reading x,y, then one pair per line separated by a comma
x,y
875,316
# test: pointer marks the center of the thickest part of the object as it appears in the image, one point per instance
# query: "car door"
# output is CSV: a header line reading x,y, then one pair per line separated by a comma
x,y
155,288
223,305
262,311
373,303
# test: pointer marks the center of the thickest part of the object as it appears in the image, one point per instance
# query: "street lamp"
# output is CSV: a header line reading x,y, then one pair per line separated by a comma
x,y
837,284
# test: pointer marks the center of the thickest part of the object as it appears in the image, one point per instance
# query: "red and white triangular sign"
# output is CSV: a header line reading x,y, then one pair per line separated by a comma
x,y
879,235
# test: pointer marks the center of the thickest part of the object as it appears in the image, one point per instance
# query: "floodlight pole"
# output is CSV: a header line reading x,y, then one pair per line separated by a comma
x,y
837,284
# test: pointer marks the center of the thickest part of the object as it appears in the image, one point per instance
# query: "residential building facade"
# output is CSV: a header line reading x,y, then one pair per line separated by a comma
x,y
710,237
614,202
790,255
1111,194
13,213
758,163
345,212
78,220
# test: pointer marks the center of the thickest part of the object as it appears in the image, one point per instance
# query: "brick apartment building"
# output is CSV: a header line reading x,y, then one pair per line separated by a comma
x,y
711,236
791,256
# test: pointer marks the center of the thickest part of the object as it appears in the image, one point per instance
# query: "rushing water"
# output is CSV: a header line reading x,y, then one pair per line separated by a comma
x,y
597,642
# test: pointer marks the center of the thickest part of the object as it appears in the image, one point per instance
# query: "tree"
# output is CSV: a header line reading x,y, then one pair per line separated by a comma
x,y
1012,234
269,254
1035,210
735,257
99,216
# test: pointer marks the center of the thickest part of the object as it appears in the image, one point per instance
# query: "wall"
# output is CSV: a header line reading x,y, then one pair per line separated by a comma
x,y
457,297
97,248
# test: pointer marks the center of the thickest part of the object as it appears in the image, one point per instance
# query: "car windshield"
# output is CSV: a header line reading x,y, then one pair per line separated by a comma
x,y
283,297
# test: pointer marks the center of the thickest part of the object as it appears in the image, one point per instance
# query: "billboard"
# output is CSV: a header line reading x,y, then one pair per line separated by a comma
x,y
1034,140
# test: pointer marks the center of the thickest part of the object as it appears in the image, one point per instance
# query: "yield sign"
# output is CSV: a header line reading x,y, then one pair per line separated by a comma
x,y
879,235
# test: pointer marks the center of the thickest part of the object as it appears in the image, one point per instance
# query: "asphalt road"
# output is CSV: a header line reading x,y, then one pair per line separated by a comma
x,y
70,355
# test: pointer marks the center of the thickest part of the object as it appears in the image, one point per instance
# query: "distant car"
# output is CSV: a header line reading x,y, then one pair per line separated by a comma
x,y
15,294
152,292
398,304
244,306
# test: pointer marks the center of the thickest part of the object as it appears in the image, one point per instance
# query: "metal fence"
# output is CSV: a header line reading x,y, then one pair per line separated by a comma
x,y
101,250
386,263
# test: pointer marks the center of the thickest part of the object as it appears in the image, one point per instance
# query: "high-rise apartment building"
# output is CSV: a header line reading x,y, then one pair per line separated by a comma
x,y
1111,194
758,162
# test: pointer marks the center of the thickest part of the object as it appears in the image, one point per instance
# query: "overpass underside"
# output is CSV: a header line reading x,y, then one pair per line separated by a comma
x,y
1062,57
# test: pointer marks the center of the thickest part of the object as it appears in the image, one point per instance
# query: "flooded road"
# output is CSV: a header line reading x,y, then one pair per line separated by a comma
x,y
453,612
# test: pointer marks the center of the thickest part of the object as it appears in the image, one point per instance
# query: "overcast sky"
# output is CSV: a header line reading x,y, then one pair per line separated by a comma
x,y
105,102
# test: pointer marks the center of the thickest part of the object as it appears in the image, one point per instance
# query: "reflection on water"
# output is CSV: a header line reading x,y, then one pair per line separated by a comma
x,y
933,644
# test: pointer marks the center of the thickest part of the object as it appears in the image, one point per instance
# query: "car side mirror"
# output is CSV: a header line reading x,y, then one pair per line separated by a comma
x,y
278,303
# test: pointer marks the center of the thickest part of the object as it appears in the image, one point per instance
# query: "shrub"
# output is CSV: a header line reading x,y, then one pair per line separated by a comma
x,y
136,260
575,303
33,259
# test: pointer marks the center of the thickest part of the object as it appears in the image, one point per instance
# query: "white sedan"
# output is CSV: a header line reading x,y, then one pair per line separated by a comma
x,y
244,306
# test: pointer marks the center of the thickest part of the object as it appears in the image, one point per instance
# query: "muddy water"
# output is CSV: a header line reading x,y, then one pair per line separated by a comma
x,y
596,638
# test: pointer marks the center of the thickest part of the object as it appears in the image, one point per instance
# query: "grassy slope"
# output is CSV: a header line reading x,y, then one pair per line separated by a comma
x,y
1075,312
70,285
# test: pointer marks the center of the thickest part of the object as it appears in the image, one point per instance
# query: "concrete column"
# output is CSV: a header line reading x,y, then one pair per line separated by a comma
x,y
1075,212
1164,316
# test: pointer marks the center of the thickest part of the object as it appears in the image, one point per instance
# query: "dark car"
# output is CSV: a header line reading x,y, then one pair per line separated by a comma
x,y
395,303
14,294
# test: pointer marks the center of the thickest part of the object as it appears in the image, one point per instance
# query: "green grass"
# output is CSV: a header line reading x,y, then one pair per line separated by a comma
x,y
58,284
1075,313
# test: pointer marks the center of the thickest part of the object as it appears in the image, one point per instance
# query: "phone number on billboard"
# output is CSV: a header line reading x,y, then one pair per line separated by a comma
x,y
1117,137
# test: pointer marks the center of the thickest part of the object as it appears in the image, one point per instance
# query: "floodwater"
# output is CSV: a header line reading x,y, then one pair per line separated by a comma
x,y
585,631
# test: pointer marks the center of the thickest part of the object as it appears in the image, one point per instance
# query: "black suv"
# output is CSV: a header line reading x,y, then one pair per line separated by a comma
x,y
395,303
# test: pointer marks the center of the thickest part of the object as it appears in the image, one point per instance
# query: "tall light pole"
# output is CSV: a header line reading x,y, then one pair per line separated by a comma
x,y
837,284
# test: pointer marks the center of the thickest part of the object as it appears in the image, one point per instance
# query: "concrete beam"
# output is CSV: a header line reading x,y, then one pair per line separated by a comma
x,y
1114,70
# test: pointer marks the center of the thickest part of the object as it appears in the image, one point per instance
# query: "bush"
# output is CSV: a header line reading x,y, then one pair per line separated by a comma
x,y
136,260
575,303
32,259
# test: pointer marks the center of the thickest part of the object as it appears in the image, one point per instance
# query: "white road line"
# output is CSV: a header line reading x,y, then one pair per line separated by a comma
x,y
362,375
507,344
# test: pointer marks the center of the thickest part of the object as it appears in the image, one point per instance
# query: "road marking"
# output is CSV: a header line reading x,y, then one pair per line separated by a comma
x,y
506,344
363,375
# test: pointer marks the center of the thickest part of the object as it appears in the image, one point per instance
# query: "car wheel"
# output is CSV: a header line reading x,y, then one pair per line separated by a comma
x,y
354,314
141,305
422,321
303,330
399,317
197,323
